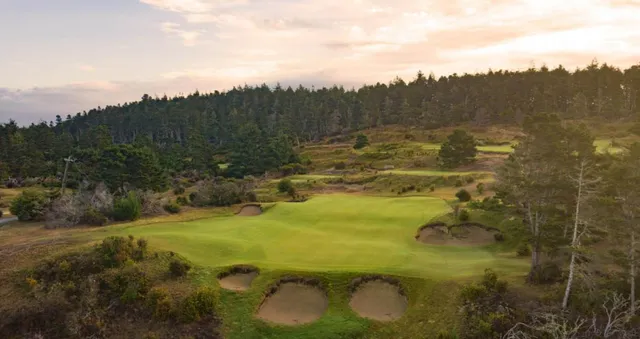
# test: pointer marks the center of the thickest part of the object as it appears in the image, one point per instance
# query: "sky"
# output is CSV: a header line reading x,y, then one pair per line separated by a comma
x,y
66,56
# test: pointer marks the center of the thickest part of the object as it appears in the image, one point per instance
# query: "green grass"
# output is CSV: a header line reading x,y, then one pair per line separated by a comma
x,y
430,173
337,233
334,238
602,145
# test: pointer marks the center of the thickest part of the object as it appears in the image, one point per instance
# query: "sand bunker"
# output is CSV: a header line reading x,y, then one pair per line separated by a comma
x,y
379,300
238,278
457,235
250,211
293,303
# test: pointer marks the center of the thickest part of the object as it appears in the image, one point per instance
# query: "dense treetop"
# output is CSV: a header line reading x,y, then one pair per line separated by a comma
x,y
186,132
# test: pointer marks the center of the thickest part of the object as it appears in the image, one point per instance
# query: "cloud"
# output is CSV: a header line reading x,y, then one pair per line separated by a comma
x,y
86,68
189,38
362,41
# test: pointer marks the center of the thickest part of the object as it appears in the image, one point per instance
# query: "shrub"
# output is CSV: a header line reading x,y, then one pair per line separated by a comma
x,y
480,188
499,237
432,188
196,305
1,213
159,302
340,165
523,250
93,217
30,205
463,195
127,209
284,185
463,215
172,208
446,335
115,251
291,169
361,141
179,268
470,179
128,284
458,183
292,192
635,129
182,201
219,192
179,189
547,273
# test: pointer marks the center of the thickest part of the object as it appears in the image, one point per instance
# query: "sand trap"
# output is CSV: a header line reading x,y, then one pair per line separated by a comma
x,y
238,281
460,235
250,211
378,300
434,235
294,304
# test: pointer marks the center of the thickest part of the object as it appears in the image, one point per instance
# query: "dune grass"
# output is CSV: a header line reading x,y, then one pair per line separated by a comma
x,y
336,233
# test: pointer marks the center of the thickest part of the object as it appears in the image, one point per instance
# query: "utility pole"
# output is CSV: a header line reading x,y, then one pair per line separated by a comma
x,y
66,169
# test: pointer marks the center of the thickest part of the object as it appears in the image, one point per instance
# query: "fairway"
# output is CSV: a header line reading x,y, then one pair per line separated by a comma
x,y
337,233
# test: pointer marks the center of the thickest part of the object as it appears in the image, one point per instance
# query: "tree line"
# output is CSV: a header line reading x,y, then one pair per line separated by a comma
x,y
187,132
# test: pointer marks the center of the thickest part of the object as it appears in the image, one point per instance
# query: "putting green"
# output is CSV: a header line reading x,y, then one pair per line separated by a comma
x,y
339,233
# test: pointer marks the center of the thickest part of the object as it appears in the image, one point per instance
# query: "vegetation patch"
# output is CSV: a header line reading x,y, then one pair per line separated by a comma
x,y
294,301
378,297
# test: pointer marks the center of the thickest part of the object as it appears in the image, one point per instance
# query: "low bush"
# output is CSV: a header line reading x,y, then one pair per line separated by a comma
x,y
179,268
463,215
1,213
291,169
361,141
458,183
480,188
182,201
470,179
94,217
432,188
284,185
463,195
128,208
196,305
159,302
340,165
30,205
523,250
116,251
499,237
547,273
172,208
179,189
222,192
126,285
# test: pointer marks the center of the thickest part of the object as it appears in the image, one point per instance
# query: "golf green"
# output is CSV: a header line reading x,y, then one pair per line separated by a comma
x,y
340,233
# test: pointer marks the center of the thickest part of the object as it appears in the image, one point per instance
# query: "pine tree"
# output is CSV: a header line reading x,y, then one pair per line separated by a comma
x,y
459,149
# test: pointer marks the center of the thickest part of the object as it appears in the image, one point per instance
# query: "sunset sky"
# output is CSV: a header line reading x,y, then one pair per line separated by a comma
x,y
65,56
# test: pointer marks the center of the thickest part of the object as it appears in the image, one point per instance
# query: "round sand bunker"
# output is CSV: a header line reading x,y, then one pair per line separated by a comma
x,y
378,300
238,278
250,211
294,303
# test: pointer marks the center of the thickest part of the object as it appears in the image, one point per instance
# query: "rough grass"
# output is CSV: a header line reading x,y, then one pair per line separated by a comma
x,y
337,233
431,309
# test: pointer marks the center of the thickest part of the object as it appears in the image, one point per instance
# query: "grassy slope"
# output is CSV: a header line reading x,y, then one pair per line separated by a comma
x,y
336,233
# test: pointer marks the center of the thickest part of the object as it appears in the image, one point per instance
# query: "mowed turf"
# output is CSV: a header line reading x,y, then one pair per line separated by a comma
x,y
335,233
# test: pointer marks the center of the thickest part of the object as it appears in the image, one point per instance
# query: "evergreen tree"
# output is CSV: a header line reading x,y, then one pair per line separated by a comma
x,y
459,149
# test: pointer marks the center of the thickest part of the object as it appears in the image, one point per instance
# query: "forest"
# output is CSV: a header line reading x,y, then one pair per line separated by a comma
x,y
259,125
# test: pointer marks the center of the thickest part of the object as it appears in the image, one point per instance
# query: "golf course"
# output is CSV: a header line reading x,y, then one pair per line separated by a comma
x,y
332,239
